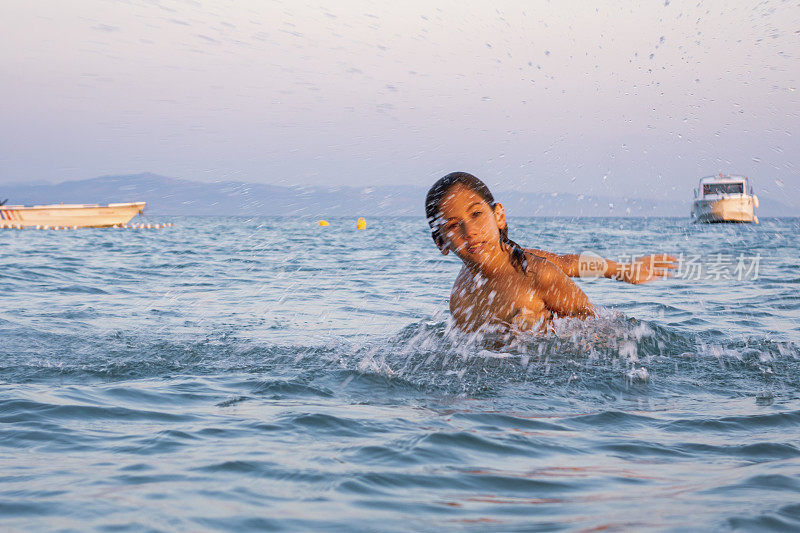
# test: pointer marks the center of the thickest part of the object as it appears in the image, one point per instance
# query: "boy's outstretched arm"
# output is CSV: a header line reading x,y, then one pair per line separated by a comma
x,y
640,270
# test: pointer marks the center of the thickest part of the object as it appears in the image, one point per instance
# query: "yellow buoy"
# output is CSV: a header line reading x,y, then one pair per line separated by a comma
x,y
323,223
361,223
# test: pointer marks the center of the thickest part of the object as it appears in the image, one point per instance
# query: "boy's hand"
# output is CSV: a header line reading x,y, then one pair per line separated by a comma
x,y
646,268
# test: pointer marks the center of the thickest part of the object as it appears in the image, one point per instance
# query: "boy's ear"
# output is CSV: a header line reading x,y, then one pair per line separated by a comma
x,y
500,215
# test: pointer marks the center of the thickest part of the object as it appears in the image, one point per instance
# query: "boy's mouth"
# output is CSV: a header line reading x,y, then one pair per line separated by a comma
x,y
475,247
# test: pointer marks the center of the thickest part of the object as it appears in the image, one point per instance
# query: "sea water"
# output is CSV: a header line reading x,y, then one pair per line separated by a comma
x,y
267,373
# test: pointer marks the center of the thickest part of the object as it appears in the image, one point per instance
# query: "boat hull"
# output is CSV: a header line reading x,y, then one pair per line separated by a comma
x,y
70,216
725,210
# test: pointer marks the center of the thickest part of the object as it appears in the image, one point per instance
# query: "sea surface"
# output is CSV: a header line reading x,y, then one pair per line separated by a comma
x,y
235,374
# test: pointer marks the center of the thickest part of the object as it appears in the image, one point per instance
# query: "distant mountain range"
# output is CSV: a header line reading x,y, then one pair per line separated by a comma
x,y
172,196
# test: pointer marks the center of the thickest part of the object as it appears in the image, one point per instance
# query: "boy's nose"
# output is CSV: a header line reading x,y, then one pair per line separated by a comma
x,y
470,228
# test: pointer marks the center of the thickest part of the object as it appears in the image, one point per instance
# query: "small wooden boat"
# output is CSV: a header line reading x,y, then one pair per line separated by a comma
x,y
724,199
68,215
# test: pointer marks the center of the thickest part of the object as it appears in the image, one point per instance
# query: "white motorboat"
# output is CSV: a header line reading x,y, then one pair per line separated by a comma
x,y
68,215
724,199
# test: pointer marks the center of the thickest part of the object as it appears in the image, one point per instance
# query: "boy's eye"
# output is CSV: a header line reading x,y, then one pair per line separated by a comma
x,y
476,214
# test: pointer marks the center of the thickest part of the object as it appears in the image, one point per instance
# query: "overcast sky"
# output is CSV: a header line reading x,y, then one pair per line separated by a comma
x,y
557,96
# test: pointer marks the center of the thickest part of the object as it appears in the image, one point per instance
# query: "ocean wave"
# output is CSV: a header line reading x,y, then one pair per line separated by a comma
x,y
612,352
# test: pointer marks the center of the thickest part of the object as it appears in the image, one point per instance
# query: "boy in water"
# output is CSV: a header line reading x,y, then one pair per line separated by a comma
x,y
501,283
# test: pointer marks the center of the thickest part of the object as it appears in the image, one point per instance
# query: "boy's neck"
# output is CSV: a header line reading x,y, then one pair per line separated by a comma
x,y
500,266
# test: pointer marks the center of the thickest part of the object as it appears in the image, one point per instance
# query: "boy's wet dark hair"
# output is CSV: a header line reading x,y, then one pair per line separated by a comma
x,y
439,190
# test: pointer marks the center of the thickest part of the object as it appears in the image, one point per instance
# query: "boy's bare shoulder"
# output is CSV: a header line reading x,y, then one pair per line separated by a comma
x,y
460,284
462,276
545,275
539,267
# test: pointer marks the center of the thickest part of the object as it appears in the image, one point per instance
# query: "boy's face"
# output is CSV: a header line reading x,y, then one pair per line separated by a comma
x,y
469,227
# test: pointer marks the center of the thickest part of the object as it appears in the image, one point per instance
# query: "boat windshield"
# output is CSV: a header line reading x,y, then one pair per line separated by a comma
x,y
723,188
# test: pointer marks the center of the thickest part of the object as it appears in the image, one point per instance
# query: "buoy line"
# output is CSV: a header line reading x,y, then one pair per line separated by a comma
x,y
117,226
